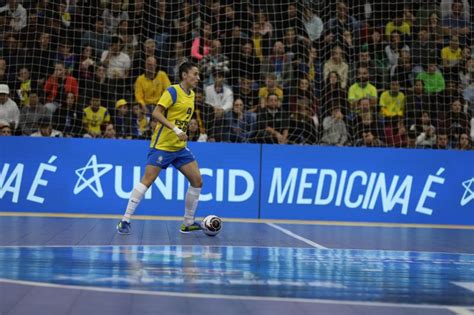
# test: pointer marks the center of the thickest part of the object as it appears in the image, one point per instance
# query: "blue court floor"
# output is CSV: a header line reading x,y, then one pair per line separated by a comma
x,y
73,265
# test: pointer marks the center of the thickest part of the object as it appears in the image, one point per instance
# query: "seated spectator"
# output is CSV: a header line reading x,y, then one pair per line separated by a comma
x,y
9,111
376,69
336,63
442,141
451,56
116,62
313,24
139,60
245,63
149,87
5,77
427,138
68,118
5,130
404,73
270,87
369,139
365,120
279,63
109,131
248,95
464,142
124,121
272,122
336,26
97,38
31,114
202,44
423,49
142,120
86,64
214,61
303,92
23,87
177,56
397,25
392,102
394,50
112,15
396,134
58,85
303,124
432,78
95,117
194,133
417,102
332,93
456,23
42,58
66,56
362,89
17,14
45,129
129,40
240,124
334,128
456,122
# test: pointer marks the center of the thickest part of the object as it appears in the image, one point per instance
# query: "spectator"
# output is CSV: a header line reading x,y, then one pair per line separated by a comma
x,y
334,128
86,64
456,122
423,49
303,94
124,121
5,130
464,142
336,63
394,50
23,87
129,40
270,87
456,24
442,141
451,56
417,102
396,134
42,59
392,102
248,95
432,78
240,124
245,64
427,138
194,133
397,25
58,84
313,24
279,64
95,117
176,58
4,75
68,118
142,121
9,111
333,93
202,44
362,89
376,69
403,73
261,41
214,61
149,50
17,14
31,114
113,15
66,56
116,62
45,129
303,124
343,22
369,139
97,38
109,131
150,86
272,122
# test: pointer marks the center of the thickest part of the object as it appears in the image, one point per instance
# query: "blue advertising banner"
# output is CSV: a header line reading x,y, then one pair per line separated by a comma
x,y
242,181
97,176
371,185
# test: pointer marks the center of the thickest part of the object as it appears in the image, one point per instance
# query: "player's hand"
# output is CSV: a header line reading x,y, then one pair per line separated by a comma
x,y
181,134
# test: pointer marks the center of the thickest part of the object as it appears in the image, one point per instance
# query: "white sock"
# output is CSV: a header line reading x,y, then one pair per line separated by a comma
x,y
135,198
190,204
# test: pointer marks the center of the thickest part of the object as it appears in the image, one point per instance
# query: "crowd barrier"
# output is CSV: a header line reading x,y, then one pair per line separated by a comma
x,y
242,181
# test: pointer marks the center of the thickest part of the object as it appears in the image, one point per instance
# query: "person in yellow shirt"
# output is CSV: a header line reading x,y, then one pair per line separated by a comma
x,y
362,89
168,146
398,24
269,88
149,87
392,102
95,117
452,54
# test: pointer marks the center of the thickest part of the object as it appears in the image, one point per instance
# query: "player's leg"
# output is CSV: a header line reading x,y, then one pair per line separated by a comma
x,y
192,173
151,173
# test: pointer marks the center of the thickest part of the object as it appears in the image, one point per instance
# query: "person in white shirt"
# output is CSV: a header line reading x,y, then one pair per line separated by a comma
x,y
46,129
8,109
219,95
16,13
117,63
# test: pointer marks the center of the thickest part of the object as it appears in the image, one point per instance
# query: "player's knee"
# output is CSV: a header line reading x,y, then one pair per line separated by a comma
x,y
197,183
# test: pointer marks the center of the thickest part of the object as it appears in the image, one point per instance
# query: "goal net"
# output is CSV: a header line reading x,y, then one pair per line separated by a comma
x,y
344,73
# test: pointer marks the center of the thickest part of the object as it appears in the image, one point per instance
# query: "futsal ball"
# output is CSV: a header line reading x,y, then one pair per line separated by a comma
x,y
211,225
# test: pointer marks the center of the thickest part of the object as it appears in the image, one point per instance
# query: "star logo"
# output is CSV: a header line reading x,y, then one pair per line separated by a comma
x,y
469,192
92,182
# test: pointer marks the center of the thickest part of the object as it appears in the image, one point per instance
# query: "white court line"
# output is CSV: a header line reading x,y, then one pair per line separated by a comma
x,y
230,297
300,238
460,310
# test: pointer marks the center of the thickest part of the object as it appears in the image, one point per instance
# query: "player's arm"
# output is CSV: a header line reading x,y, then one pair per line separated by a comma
x,y
158,114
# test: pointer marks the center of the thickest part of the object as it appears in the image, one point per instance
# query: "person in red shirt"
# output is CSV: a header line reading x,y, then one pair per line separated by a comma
x,y
58,85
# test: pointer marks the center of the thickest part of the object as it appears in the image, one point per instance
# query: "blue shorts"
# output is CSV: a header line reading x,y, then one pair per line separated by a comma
x,y
163,159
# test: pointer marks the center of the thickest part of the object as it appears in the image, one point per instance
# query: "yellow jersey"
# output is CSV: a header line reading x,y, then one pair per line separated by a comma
x,y
149,91
179,108
448,54
392,106
94,120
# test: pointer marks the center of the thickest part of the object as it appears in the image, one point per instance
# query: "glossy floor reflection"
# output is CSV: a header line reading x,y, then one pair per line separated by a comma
x,y
302,273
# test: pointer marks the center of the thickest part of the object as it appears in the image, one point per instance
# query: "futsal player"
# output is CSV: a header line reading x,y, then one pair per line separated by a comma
x,y
168,146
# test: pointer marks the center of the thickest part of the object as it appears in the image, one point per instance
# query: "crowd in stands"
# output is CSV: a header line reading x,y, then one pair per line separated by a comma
x,y
341,73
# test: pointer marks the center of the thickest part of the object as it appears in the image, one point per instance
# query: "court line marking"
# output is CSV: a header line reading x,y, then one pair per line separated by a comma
x,y
227,297
460,310
241,220
296,236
